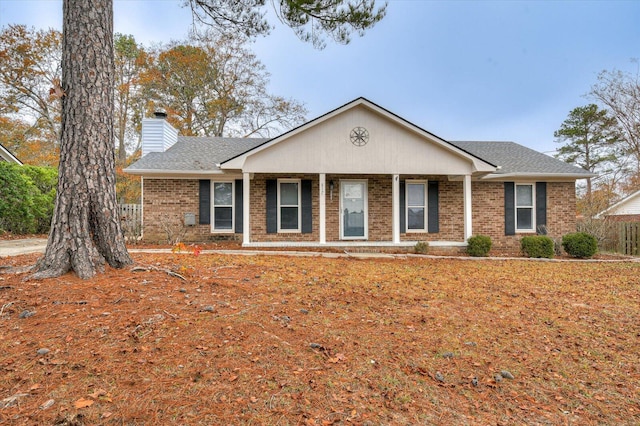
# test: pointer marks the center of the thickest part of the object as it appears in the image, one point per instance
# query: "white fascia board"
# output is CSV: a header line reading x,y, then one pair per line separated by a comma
x,y
529,176
177,174
4,153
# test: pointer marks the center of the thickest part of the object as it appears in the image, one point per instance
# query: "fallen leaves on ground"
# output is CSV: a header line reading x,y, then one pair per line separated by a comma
x,y
283,340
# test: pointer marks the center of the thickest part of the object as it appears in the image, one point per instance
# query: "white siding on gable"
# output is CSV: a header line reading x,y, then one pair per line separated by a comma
x,y
630,206
157,135
327,148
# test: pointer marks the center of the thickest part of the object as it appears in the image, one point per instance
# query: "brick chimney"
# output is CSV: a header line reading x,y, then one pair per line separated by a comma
x,y
157,134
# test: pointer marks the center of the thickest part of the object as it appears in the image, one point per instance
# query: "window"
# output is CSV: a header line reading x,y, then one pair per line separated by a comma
x,y
416,195
524,207
289,205
223,206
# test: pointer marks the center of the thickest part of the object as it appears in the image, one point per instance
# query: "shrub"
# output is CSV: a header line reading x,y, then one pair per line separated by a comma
x,y
27,197
580,245
478,245
537,246
422,247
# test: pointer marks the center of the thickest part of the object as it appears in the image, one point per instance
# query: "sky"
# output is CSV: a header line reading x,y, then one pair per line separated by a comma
x,y
463,70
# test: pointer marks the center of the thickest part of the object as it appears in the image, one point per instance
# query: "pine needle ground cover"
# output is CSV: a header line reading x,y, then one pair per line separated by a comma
x,y
271,340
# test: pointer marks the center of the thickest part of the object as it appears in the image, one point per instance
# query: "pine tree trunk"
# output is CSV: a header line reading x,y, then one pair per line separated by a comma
x,y
86,231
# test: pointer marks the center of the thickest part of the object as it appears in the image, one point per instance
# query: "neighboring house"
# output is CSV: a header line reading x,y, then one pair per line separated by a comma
x,y
5,155
356,176
625,210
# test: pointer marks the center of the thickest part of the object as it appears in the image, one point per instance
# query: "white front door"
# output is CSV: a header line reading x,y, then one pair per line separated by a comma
x,y
353,210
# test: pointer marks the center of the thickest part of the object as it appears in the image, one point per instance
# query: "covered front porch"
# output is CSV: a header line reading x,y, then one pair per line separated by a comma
x,y
341,210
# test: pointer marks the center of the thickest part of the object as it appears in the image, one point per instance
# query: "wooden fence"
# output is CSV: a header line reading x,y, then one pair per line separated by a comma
x,y
131,220
624,238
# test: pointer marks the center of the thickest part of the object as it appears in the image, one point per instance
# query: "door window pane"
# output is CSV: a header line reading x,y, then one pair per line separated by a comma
x,y
353,202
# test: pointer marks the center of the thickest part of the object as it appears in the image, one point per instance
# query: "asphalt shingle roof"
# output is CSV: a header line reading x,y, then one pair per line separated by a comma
x,y
192,153
518,159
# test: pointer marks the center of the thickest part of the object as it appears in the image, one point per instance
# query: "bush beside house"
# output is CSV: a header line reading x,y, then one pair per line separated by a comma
x,y
478,245
580,245
537,246
27,197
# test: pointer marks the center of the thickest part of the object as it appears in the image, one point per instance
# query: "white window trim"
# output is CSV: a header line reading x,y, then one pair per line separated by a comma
x,y
533,207
366,209
214,230
299,206
406,207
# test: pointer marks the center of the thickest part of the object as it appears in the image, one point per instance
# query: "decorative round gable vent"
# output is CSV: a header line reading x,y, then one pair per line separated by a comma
x,y
359,136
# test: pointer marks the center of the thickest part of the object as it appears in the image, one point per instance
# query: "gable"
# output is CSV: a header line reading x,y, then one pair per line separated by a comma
x,y
629,205
393,147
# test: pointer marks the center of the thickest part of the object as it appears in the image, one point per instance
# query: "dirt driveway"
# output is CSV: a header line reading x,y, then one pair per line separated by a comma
x,y
22,246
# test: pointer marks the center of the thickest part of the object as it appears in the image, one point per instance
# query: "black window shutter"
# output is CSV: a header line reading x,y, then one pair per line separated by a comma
x,y
509,208
238,206
272,206
205,202
403,208
433,215
307,210
541,207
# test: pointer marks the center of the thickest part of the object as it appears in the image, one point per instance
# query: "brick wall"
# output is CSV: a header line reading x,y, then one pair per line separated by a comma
x,y
488,213
165,203
167,200
258,217
623,218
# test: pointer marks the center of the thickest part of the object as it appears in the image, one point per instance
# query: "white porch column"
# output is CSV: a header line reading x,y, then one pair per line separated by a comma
x,y
468,225
322,180
246,208
395,205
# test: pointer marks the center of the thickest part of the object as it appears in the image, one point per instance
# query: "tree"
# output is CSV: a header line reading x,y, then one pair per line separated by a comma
x,y
311,20
619,92
28,143
589,134
30,68
86,231
213,86
129,58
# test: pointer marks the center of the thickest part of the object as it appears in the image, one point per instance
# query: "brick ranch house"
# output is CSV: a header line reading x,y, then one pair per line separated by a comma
x,y
358,176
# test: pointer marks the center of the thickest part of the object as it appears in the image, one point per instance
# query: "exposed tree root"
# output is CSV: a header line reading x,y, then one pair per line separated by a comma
x,y
155,268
